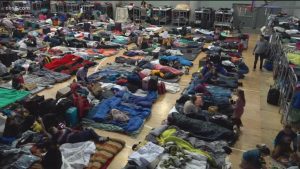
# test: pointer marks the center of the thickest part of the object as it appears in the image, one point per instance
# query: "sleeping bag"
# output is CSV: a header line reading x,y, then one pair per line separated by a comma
x,y
204,130
180,59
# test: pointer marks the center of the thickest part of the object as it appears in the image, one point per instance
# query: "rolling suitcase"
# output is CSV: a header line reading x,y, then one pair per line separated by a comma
x,y
152,83
273,96
161,88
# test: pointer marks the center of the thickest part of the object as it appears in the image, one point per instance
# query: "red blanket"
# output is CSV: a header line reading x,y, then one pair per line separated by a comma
x,y
68,64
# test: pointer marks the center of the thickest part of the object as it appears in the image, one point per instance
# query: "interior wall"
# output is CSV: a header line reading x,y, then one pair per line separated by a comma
x,y
223,4
159,3
114,3
297,11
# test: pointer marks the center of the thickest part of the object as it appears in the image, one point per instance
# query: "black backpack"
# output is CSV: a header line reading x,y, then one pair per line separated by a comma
x,y
273,96
152,83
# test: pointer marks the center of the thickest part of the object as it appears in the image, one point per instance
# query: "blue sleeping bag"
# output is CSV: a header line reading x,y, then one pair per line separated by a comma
x,y
180,59
137,107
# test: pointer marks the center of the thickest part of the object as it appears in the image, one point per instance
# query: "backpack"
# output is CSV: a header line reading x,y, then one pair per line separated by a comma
x,y
273,96
152,83
268,65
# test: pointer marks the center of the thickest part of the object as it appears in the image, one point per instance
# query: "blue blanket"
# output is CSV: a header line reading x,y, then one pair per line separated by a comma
x,y
180,59
138,108
107,75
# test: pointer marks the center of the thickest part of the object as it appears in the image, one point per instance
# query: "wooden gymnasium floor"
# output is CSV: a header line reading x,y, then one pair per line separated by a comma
x,y
261,120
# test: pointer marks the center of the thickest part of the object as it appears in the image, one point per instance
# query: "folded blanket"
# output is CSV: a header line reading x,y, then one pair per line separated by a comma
x,y
105,152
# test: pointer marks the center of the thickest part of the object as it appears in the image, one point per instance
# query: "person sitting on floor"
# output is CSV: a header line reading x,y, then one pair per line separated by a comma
x,y
53,158
139,41
213,77
18,80
81,74
206,68
254,159
183,31
192,108
283,142
145,43
31,41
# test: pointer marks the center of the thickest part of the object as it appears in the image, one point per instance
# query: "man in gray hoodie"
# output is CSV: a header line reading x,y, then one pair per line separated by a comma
x,y
259,51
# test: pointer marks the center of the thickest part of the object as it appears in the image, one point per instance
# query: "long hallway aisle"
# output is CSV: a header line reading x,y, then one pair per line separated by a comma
x,y
261,121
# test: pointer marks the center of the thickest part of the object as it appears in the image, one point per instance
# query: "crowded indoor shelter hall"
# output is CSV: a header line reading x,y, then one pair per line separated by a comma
x,y
149,84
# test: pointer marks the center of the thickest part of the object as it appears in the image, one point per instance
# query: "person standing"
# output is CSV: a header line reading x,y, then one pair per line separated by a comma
x,y
259,51
18,80
238,108
82,73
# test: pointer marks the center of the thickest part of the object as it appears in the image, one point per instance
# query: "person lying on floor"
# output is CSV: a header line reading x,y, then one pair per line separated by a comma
x,y
213,77
67,135
192,108
283,142
219,69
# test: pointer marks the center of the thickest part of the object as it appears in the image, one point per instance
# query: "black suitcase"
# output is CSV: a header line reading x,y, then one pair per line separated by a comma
x,y
273,96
